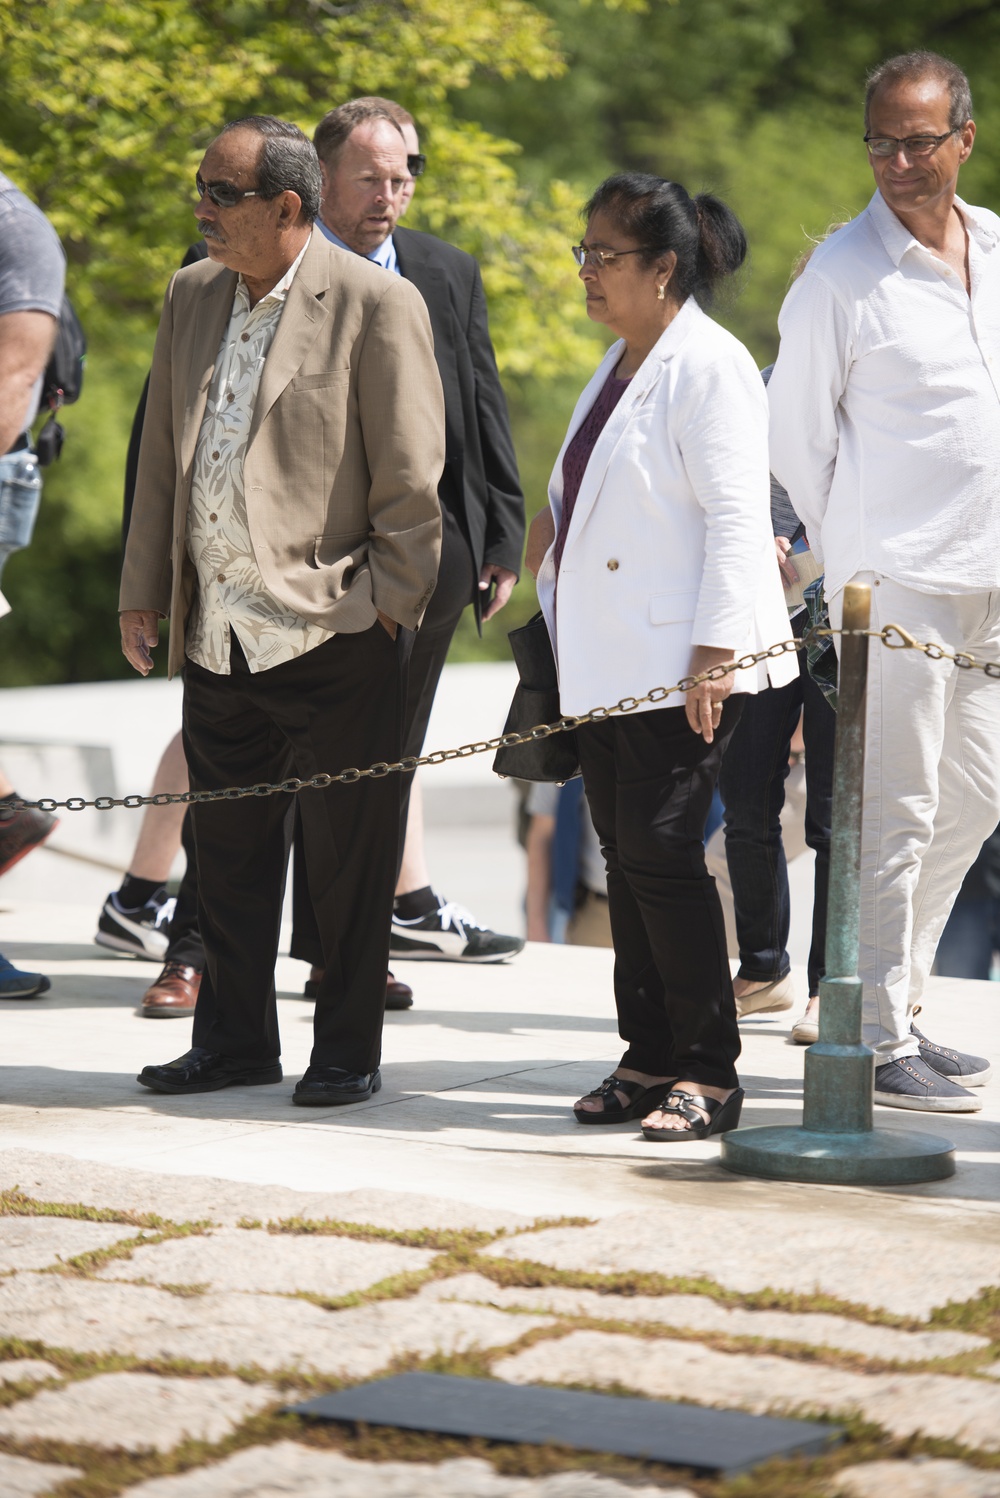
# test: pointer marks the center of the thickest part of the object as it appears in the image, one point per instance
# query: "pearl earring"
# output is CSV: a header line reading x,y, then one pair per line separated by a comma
x,y
661,293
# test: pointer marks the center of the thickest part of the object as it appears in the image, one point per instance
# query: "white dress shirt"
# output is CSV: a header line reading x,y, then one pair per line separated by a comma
x,y
230,593
885,405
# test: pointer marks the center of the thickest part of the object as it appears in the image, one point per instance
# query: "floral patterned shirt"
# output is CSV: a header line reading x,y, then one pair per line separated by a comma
x,y
231,595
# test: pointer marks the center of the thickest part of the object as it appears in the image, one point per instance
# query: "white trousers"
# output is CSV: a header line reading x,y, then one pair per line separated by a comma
x,y
931,791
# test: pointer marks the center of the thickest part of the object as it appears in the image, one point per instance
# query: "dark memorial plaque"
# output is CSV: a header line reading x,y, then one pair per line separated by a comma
x,y
679,1435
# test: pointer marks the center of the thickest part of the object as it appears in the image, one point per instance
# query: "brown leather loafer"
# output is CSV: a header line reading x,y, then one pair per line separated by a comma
x,y
397,995
175,992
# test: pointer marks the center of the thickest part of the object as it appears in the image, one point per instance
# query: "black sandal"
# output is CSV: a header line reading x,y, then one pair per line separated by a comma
x,y
613,1112
721,1116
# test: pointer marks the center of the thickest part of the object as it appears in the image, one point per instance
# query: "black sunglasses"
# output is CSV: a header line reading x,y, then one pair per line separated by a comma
x,y
223,194
416,164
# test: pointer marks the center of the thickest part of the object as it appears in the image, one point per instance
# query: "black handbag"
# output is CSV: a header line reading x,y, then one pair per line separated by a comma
x,y
536,700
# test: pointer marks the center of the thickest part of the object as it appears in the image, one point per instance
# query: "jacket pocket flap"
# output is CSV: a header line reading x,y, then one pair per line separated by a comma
x,y
320,381
672,608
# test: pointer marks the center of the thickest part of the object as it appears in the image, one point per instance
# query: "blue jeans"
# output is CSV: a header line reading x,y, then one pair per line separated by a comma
x,y
752,783
20,494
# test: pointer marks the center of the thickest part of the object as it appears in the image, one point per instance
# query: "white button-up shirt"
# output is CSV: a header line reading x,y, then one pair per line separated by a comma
x,y
885,405
230,593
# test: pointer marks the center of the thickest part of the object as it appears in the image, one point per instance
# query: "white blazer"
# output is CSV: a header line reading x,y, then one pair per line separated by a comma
x,y
670,542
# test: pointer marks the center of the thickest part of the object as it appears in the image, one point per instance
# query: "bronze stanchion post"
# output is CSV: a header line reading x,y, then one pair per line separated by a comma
x,y
838,1142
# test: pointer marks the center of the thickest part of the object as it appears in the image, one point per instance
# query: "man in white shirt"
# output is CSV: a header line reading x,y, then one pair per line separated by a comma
x,y
885,429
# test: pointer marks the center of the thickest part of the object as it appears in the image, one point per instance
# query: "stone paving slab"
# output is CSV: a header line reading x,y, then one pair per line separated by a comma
x,y
929,1404
887,1265
287,1470
244,1260
268,1332
20,1478
192,1198
698,1313
136,1411
35,1242
27,1370
924,1478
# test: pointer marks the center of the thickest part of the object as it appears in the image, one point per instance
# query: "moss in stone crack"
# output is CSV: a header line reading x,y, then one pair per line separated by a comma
x,y
14,1203
87,1264
394,1287
447,1240
526,1274
980,1314
828,1355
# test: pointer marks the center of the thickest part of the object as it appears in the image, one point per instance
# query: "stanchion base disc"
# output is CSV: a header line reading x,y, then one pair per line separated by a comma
x,y
883,1157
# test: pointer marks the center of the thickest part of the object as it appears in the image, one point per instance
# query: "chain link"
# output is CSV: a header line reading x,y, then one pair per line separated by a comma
x,y
893,637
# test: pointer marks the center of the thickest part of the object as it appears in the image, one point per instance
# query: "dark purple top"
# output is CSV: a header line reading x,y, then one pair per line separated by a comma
x,y
578,453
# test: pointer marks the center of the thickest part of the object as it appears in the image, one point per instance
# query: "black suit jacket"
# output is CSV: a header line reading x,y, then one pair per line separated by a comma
x,y
480,483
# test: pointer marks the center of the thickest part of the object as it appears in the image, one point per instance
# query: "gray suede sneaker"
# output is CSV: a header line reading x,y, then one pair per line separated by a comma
x,y
967,1071
908,1083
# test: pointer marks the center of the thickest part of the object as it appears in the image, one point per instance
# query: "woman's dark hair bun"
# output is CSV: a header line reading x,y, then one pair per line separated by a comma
x,y
705,235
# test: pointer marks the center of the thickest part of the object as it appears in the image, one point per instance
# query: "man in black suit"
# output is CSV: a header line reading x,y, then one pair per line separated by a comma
x,y
367,183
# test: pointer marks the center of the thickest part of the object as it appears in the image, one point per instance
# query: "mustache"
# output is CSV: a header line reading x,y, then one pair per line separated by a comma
x,y
208,230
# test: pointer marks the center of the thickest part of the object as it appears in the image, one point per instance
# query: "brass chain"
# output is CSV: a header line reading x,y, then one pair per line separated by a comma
x,y
893,636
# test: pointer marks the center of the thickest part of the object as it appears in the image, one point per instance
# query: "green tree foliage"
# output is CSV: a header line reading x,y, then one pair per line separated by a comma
x,y
524,105
106,107
758,100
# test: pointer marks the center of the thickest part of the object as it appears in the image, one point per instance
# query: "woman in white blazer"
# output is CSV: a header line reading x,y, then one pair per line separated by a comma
x,y
658,564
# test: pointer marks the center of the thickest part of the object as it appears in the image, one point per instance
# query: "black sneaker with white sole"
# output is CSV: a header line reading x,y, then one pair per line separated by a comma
x,y
137,933
967,1071
908,1083
449,934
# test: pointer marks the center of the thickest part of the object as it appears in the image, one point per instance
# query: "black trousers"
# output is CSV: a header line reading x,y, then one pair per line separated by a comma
x,y
338,705
649,782
185,939
454,591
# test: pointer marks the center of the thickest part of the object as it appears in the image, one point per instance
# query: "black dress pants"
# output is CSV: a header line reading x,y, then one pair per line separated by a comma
x,y
649,781
185,944
338,705
454,591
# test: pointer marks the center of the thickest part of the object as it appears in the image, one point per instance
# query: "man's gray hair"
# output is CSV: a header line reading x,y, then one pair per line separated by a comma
x,y
288,161
334,128
910,67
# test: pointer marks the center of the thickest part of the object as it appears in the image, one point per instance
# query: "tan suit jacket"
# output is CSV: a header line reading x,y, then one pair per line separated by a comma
x,y
345,451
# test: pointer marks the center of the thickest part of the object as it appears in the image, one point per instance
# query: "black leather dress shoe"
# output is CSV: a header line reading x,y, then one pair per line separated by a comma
x,y
327,1086
199,1070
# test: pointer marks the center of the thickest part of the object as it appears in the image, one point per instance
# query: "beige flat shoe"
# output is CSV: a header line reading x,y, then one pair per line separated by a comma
x,y
767,1000
805,1031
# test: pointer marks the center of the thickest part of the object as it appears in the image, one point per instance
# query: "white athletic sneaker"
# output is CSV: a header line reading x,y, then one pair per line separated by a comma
x,y
449,934
137,933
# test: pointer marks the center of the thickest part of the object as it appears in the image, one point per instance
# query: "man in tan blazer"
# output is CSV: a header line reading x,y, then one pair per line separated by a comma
x,y
286,521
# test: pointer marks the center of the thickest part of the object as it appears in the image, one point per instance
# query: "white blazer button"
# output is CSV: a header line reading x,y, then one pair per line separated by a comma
x,y
613,565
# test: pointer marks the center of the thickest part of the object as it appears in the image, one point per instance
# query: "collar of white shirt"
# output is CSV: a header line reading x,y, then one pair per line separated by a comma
x,y
897,238
280,290
383,255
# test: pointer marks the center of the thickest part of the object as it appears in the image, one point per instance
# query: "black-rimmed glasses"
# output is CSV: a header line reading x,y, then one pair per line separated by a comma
x,y
600,258
223,194
913,145
416,163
